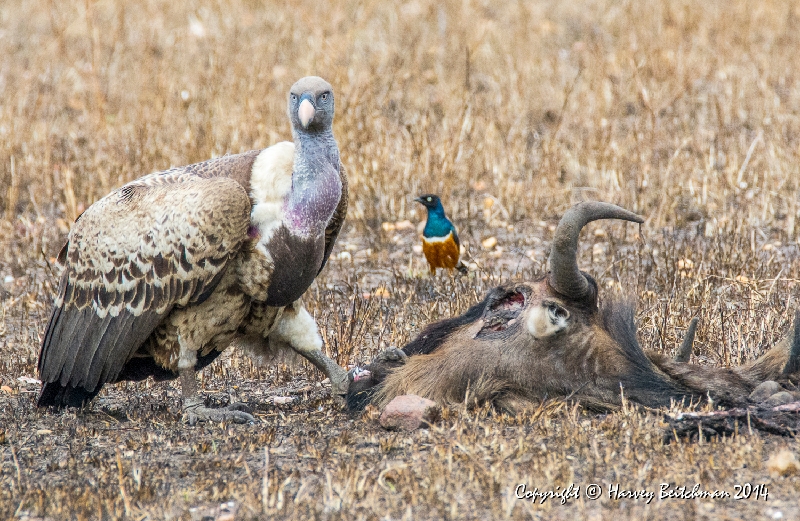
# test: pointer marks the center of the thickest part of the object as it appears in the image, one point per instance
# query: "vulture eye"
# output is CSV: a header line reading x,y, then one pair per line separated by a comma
x,y
324,96
293,97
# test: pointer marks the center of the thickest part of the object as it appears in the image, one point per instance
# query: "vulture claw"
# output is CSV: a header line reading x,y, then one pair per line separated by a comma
x,y
340,382
239,406
195,411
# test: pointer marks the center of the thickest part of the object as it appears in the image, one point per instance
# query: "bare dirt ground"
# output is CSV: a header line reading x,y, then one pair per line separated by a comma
x,y
688,114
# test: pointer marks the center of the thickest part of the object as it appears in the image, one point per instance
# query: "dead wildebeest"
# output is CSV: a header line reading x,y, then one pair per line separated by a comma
x,y
549,338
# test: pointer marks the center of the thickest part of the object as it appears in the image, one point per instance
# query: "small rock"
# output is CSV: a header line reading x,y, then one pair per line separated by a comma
x,y
764,390
780,398
409,412
282,400
489,243
783,463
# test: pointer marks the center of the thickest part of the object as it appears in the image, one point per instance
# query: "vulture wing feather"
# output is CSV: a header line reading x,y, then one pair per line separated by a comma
x,y
336,222
156,243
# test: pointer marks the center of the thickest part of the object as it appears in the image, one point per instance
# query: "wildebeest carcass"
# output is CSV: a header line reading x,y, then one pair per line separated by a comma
x,y
549,338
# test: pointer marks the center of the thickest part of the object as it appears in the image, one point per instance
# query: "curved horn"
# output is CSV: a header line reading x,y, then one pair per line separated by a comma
x,y
793,364
564,276
685,352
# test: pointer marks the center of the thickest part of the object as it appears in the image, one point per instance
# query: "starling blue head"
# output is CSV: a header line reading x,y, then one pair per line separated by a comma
x,y
438,225
440,242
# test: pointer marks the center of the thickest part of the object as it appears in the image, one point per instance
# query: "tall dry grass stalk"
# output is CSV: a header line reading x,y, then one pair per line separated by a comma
x,y
642,104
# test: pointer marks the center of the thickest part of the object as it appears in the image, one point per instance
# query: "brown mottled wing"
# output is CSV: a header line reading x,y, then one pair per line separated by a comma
x,y
237,167
336,222
153,244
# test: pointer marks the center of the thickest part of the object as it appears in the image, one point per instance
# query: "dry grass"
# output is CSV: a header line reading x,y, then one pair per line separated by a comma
x,y
686,112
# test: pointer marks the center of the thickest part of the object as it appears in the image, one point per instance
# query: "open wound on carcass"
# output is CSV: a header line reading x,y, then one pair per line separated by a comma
x,y
502,312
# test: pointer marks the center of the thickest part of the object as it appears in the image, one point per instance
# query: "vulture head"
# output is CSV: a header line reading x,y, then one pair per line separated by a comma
x,y
311,105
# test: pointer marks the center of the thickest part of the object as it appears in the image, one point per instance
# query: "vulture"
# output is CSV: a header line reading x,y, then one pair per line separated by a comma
x,y
164,273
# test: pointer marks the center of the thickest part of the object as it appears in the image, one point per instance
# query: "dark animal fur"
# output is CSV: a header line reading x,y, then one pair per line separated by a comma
x,y
650,379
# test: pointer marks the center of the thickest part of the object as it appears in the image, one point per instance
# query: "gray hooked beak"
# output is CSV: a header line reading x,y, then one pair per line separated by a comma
x,y
305,112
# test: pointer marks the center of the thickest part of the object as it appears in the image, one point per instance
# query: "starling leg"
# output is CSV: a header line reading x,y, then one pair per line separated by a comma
x,y
194,408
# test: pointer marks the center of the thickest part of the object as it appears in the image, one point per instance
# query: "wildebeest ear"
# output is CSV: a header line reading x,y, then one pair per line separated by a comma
x,y
548,318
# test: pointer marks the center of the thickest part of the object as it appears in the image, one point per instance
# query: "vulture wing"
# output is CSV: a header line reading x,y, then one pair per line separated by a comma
x,y
335,225
162,241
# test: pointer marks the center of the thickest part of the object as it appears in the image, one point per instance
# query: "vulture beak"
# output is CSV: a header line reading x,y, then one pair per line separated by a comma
x,y
305,112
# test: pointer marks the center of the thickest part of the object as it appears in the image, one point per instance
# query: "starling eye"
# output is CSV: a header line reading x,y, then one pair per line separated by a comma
x,y
429,199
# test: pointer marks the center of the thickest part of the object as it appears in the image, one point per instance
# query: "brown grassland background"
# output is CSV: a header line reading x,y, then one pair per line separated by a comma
x,y
686,112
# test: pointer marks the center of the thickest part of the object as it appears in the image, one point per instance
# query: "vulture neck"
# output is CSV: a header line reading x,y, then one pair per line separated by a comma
x,y
316,185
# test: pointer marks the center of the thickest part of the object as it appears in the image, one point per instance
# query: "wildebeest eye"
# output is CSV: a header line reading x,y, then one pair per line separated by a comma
x,y
556,311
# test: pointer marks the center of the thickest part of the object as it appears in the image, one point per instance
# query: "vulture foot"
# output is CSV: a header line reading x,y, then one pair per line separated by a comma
x,y
194,410
340,382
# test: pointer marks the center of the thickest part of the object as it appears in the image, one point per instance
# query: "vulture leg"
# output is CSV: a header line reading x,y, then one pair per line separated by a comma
x,y
338,376
298,329
194,408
